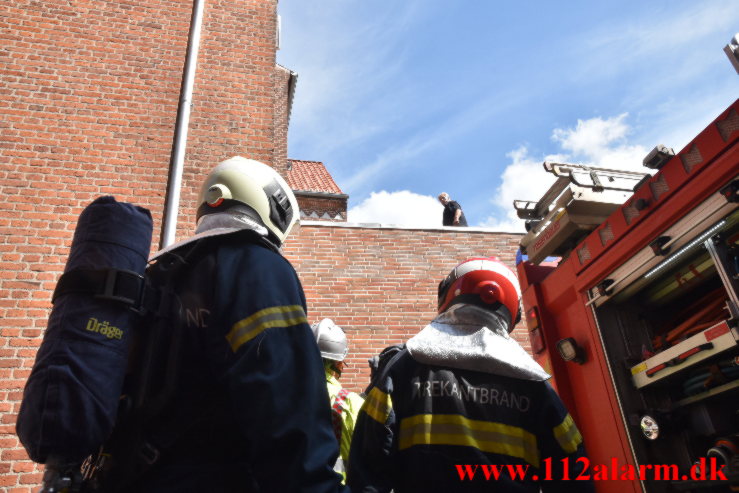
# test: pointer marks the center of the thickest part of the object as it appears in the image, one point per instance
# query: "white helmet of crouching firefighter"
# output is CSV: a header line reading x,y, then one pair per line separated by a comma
x,y
331,341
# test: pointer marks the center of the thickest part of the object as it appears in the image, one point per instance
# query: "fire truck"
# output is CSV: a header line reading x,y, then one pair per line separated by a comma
x,y
630,287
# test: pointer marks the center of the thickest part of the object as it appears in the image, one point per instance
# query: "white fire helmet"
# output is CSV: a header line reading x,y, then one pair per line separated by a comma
x,y
239,181
331,340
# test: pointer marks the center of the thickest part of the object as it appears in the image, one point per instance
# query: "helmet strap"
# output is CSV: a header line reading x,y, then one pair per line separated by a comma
x,y
332,366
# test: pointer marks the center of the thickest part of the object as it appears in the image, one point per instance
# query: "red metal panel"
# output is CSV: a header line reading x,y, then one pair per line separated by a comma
x,y
714,143
585,389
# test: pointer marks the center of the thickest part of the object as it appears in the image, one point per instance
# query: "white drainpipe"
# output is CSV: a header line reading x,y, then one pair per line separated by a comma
x,y
176,163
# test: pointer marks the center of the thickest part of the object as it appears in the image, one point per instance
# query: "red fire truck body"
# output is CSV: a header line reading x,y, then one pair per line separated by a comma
x,y
637,322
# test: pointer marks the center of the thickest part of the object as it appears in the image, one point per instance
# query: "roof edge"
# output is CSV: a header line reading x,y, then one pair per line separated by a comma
x,y
327,195
305,161
449,229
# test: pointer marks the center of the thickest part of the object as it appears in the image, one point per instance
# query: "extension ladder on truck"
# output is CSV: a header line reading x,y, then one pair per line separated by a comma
x,y
580,199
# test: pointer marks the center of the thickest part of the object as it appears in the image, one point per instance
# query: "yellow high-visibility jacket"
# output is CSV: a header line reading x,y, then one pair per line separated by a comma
x,y
345,407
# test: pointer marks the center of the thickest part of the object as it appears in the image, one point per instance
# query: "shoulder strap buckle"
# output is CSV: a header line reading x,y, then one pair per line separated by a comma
x,y
119,285
123,286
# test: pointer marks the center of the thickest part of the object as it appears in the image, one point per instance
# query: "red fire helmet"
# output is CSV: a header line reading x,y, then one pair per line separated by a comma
x,y
486,280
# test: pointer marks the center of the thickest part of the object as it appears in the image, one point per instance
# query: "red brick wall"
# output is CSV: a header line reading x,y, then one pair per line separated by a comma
x,y
88,95
321,205
379,284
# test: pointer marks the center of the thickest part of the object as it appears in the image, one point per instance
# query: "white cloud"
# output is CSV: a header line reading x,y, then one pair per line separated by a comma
x,y
593,142
602,142
401,208
591,136
523,179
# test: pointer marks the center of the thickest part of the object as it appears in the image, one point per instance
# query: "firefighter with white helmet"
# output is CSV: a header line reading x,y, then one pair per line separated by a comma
x,y
463,392
345,405
244,407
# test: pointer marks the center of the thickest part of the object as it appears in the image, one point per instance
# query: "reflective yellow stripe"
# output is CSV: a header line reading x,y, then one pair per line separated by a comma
x,y
568,435
378,405
277,316
454,429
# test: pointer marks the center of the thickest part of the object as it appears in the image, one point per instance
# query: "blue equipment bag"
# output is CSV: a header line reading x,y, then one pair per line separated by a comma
x,y
71,397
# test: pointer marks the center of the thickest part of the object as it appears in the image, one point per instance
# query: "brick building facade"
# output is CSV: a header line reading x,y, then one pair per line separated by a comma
x,y
89,93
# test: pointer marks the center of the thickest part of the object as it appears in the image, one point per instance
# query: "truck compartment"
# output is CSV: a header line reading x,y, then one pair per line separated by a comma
x,y
670,337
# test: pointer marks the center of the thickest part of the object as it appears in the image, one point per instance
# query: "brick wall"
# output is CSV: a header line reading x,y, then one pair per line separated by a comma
x,y
88,95
311,205
379,284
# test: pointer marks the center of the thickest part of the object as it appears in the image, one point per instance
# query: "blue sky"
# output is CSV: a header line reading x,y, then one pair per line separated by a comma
x,y
402,100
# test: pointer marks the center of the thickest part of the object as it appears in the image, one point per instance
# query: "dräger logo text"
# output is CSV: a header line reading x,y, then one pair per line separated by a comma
x,y
104,328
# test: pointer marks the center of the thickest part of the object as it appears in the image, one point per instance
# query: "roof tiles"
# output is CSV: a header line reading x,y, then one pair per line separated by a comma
x,y
310,176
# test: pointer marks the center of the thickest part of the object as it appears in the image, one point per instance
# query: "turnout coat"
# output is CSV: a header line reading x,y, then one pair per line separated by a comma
x,y
464,408
250,407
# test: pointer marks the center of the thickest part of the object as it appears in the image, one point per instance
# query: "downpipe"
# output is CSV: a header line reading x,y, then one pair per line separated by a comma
x,y
179,144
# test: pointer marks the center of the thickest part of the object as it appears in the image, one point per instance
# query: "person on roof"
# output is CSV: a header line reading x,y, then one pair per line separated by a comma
x,y
462,407
345,405
453,214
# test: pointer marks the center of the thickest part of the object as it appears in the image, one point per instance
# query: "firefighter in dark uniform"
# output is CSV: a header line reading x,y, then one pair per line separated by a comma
x,y
463,407
245,410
